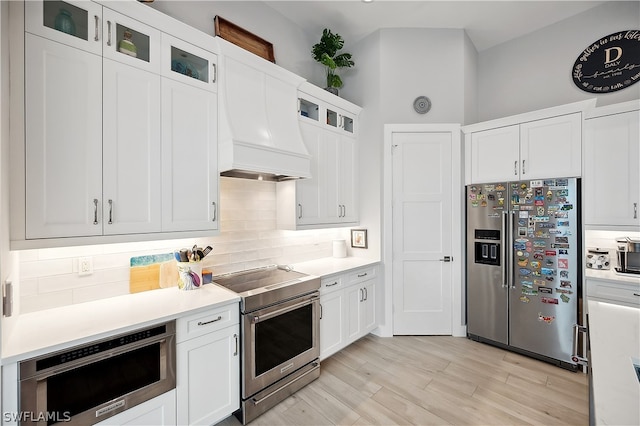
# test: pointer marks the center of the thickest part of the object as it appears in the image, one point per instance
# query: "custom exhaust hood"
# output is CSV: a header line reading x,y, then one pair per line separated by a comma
x,y
259,135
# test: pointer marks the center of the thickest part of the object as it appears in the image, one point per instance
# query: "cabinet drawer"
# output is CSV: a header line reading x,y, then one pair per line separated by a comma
x,y
207,321
620,293
329,284
361,275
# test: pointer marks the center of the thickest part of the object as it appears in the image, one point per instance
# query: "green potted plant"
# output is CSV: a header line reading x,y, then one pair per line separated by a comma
x,y
326,52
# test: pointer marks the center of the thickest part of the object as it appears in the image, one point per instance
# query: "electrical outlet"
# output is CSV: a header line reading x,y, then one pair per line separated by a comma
x,y
85,266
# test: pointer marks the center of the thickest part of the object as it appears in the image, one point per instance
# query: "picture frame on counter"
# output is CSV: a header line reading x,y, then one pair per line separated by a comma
x,y
359,238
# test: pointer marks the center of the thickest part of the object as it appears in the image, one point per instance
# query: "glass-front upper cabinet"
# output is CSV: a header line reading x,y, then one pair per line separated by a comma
x,y
308,108
74,23
129,41
189,64
340,120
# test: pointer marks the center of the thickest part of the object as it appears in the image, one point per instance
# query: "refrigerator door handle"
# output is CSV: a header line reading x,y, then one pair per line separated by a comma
x,y
503,251
512,283
577,329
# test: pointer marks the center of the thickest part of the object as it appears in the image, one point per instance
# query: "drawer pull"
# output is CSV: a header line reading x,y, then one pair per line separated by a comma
x,y
362,275
332,284
209,322
636,294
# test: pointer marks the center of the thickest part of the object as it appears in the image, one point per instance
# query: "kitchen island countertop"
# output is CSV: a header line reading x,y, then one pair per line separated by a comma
x,y
41,332
614,335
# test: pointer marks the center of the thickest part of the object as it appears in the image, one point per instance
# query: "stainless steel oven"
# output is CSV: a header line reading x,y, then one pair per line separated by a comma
x,y
280,328
86,384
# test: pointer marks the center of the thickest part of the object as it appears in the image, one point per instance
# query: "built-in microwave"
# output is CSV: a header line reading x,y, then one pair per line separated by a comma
x,y
86,384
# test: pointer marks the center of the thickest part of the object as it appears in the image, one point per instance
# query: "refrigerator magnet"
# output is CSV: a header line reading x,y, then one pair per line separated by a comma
x,y
545,318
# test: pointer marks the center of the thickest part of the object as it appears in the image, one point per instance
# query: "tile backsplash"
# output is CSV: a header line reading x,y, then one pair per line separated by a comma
x,y
48,278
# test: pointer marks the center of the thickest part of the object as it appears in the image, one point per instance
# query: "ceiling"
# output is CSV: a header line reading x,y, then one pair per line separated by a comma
x,y
487,23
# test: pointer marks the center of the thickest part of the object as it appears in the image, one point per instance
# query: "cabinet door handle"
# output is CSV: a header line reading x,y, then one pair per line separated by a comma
x,y
95,211
108,33
299,211
110,212
215,211
209,322
97,36
344,211
215,72
321,311
235,337
635,210
361,295
515,168
524,172
366,294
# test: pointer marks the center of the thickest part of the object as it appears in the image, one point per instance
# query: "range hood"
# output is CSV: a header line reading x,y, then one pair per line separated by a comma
x,y
259,136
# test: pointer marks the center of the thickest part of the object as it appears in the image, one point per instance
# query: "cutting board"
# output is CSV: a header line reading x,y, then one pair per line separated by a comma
x,y
152,272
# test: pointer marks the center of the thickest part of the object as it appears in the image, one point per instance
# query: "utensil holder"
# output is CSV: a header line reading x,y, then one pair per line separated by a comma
x,y
189,275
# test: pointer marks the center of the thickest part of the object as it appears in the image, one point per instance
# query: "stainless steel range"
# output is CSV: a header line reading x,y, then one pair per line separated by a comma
x,y
280,328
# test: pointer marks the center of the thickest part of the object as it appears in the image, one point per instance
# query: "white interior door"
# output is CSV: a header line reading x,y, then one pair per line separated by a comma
x,y
422,179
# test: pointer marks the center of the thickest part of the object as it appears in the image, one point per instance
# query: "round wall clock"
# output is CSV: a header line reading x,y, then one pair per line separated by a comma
x,y
422,105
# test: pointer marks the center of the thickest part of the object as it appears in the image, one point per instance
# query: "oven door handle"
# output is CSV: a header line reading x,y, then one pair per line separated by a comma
x,y
257,318
316,365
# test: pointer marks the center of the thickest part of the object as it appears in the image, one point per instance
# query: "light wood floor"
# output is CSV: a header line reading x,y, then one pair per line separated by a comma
x,y
422,380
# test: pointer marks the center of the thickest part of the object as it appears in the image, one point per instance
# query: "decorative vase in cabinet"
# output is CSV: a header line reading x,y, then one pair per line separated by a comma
x,y
64,22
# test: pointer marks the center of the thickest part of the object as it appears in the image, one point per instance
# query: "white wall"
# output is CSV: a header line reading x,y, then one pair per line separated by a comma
x,y
534,71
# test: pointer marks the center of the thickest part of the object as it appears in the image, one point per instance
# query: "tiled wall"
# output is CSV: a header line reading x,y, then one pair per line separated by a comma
x,y
249,238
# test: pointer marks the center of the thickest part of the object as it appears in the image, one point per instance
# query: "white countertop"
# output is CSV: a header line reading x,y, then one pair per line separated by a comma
x,y
614,335
46,331
612,275
37,333
332,265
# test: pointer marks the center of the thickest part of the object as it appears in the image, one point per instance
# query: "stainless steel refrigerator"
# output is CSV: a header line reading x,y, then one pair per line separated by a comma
x,y
523,280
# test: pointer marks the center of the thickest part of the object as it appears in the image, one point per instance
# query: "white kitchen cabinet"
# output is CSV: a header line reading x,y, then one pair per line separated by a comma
x,y
341,189
131,195
348,306
328,198
612,167
120,127
535,149
619,292
92,138
63,107
79,23
159,411
189,64
189,158
332,320
208,366
361,308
